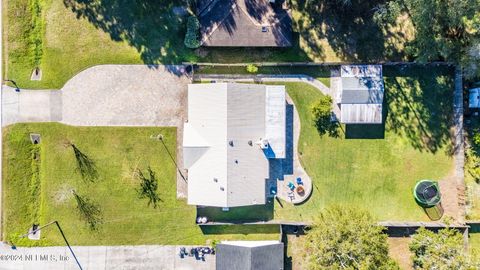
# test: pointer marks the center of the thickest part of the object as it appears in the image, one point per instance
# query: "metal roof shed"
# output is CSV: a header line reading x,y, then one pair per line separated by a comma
x,y
361,94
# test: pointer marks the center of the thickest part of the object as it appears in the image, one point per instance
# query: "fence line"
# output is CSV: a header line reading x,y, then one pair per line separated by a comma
x,y
291,64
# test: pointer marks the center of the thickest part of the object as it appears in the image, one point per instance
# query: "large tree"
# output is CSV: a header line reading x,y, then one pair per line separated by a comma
x,y
445,29
346,238
443,250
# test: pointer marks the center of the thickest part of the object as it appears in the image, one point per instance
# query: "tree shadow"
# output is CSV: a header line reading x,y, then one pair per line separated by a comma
x,y
88,210
420,109
365,131
85,165
148,187
235,21
349,29
150,26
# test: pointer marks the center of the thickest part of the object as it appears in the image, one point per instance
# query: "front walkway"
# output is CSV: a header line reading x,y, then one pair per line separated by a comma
x,y
261,78
101,257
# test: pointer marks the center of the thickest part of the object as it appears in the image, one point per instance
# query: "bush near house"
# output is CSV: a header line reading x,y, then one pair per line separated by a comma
x,y
192,35
321,115
251,68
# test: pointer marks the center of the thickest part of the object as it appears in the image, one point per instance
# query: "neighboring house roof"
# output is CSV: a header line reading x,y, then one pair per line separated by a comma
x,y
244,23
249,255
221,141
362,92
474,98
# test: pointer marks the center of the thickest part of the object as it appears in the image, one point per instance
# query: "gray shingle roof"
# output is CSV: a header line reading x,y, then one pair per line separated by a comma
x,y
233,257
244,23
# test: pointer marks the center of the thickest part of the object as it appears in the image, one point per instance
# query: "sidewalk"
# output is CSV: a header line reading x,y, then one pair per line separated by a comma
x,y
101,257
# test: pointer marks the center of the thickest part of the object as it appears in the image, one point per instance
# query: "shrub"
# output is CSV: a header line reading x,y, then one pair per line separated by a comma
x,y
476,138
251,68
442,250
192,35
321,115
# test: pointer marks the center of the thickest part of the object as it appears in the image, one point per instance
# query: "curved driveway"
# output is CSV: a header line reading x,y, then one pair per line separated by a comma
x,y
106,95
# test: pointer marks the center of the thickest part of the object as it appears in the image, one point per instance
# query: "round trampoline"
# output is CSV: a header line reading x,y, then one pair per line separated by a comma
x,y
427,193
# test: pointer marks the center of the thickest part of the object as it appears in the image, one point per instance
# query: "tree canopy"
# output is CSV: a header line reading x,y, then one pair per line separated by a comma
x,y
443,250
321,114
445,29
345,238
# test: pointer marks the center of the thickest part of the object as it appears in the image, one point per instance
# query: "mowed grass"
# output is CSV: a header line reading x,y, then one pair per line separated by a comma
x,y
378,171
78,34
116,152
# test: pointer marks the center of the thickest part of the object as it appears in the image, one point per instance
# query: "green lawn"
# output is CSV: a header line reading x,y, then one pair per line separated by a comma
x,y
474,244
72,35
44,194
378,171
80,34
374,167
472,127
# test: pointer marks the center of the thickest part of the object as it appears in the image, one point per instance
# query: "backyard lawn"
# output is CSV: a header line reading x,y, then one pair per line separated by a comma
x,y
38,180
377,170
64,37
374,167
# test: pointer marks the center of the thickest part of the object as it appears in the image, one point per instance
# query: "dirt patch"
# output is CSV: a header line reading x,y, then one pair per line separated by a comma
x,y
295,259
398,250
449,190
63,194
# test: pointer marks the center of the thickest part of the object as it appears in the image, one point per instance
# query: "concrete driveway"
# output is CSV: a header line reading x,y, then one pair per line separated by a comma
x,y
106,95
101,257
109,95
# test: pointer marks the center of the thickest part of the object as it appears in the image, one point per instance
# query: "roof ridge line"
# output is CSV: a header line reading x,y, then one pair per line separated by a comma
x,y
207,36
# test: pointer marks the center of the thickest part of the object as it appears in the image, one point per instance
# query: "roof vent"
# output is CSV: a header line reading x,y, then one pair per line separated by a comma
x,y
215,180
230,143
263,143
222,189
264,29
250,143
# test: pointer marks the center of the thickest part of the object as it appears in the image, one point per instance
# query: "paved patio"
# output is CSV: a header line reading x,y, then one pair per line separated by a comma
x,y
101,257
289,169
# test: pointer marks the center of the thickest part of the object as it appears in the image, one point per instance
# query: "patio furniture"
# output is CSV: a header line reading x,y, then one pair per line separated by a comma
x,y
300,190
299,181
291,195
183,252
291,186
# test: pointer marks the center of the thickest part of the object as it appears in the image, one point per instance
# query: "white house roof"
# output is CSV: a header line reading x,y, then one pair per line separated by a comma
x,y
474,98
362,92
226,166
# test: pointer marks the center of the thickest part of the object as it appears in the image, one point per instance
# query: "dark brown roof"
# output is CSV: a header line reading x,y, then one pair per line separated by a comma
x,y
244,23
